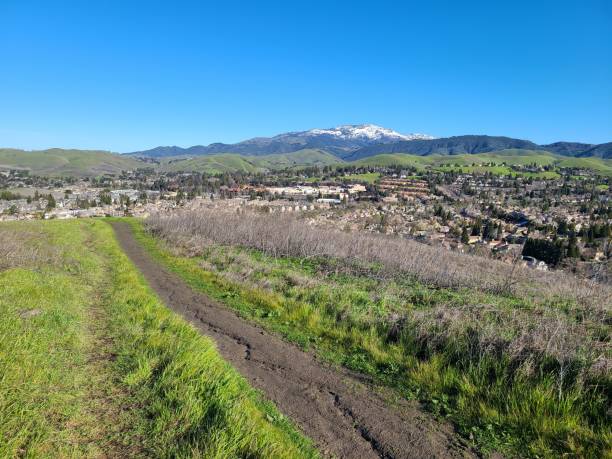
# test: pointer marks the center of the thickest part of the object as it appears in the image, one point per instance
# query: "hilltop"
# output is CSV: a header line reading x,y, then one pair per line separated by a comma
x,y
61,162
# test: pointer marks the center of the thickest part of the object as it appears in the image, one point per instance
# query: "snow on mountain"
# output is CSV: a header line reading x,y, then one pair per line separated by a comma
x,y
339,141
369,132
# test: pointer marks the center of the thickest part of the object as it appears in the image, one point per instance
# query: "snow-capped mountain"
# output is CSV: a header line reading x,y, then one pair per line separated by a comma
x,y
369,132
341,141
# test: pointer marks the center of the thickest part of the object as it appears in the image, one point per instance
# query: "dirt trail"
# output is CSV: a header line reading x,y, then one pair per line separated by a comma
x,y
332,406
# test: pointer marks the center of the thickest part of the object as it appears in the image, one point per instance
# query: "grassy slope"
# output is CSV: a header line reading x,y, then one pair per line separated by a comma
x,y
601,165
370,177
228,162
308,157
105,368
509,157
214,164
58,162
341,316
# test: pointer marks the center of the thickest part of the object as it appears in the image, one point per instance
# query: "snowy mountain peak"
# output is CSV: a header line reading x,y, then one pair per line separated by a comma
x,y
368,132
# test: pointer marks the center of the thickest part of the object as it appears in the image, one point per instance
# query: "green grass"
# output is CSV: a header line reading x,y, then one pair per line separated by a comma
x,y
342,317
102,367
370,177
603,166
216,164
59,162
394,159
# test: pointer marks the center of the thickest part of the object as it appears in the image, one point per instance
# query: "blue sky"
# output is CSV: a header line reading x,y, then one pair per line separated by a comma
x,y
131,75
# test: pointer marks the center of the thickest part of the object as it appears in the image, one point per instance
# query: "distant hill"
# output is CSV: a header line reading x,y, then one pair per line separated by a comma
x,y
465,144
504,158
568,148
354,142
340,141
215,164
59,162
599,151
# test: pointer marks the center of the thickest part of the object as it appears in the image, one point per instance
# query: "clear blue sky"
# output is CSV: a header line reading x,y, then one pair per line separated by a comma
x,y
129,75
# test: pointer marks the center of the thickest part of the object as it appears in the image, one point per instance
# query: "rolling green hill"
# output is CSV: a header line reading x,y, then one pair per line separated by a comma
x,y
229,162
60,162
214,164
604,166
497,162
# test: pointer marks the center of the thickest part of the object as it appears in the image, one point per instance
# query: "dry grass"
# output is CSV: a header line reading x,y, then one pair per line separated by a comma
x,y
289,237
518,359
23,249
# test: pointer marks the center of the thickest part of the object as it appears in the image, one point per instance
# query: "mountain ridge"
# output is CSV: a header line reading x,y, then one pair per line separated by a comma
x,y
340,141
354,142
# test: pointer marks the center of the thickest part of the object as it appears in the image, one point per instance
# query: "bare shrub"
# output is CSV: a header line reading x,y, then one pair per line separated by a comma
x,y
287,236
566,339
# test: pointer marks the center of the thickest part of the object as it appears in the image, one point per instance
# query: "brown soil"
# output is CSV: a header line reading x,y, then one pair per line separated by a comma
x,y
339,410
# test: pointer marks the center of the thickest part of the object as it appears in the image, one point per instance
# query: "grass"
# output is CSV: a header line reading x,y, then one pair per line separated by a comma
x,y
92,363
436,358
495,162
216,164
369,177
59,162
603,166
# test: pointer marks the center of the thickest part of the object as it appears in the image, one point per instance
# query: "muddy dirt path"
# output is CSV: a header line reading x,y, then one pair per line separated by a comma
x,y
333,407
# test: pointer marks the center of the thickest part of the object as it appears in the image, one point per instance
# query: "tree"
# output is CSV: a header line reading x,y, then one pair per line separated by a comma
x,y
50,202
105,199
544,250
489,232
572,247
477,227
465,237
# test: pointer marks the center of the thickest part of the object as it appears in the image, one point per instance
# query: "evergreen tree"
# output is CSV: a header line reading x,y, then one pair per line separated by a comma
x,y
465,238
572,247
477,228
50,202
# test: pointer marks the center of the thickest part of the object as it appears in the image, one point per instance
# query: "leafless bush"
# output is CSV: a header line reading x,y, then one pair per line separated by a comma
x,y
287,236
568,339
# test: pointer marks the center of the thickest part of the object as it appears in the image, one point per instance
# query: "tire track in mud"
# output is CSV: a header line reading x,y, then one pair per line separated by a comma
x,y
335,408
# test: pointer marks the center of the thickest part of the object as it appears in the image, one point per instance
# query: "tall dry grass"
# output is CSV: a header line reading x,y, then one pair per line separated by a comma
x,y
288,236
21,248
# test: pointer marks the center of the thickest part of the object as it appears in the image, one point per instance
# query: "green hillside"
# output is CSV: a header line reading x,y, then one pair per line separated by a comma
x,y
308,157
497,162
604,166
214,164
393,159
60,162
229,162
